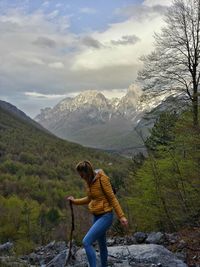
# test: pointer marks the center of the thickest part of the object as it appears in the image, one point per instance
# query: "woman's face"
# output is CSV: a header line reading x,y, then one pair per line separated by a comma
x,y
83,175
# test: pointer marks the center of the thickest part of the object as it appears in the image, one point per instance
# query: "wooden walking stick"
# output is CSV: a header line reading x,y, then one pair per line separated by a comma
x,y
70,256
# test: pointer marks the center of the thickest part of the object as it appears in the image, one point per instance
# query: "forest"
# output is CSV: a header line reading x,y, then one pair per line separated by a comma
x,y
37,169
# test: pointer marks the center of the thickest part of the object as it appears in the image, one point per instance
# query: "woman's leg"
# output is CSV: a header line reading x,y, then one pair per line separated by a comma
x,y
99,228
103,250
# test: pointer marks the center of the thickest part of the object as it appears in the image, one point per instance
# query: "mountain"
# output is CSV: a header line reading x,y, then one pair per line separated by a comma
x,y
27,132
111,124
18,114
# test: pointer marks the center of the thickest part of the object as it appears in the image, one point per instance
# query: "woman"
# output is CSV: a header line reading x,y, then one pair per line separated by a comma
x,y
101,200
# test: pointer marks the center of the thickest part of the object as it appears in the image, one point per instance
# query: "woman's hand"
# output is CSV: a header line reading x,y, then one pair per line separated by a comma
x,y
124,221
70,198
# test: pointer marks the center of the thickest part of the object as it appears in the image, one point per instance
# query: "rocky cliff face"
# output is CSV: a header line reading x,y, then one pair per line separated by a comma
x,y
94,120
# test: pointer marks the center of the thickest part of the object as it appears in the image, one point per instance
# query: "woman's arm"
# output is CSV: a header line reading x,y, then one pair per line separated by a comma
x,y
107,188
79,201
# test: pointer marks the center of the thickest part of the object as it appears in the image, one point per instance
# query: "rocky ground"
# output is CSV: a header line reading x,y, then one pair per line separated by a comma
x,y
154,249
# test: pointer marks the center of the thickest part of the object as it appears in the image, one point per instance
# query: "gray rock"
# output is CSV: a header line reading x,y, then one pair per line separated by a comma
x,y
59,260
155,238
110,242
131,240
34,258
172,237
142,255
6,246
181,255
50,245
140,237
146,254
11,261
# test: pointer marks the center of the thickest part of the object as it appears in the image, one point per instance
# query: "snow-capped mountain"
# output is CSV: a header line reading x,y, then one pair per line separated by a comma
x,y
94,120
95,105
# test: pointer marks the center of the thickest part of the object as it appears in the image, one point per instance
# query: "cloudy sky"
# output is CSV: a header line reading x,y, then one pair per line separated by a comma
x,y
57,48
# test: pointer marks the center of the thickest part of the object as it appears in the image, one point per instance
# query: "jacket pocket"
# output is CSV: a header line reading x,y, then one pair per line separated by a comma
x,y
106,205
96,205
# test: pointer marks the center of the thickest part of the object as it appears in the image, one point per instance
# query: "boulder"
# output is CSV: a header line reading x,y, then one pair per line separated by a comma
x,y
143,255
146,254
6,246
155,238
140,237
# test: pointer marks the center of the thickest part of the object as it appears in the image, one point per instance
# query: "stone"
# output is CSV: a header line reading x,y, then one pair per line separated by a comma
x,y
155,238
140,237
6,246
146,254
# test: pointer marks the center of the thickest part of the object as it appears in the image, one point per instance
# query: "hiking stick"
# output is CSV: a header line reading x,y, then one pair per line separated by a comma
x,y
68,258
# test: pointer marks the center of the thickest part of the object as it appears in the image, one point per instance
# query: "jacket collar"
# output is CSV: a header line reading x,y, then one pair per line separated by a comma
x,y
99,173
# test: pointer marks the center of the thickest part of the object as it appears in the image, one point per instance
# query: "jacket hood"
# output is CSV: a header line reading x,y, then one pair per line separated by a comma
x,y
99,173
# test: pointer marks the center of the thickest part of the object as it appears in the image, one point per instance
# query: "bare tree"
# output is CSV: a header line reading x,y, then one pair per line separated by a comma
x,y
174,64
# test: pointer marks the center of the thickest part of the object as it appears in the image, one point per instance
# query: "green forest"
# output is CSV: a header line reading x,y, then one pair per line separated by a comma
x,y
37,169
166,188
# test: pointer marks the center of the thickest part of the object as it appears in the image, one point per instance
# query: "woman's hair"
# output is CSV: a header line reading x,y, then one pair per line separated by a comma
x,y
86,168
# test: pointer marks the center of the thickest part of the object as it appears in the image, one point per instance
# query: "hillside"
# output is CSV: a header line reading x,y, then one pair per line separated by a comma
x,y
18,114
37,170
166,187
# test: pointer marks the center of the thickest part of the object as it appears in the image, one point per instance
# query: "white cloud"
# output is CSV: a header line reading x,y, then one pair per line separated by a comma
x,y
121,55
30,43
157,2
39,95
43,53
35,60
88,10
53,14
56,65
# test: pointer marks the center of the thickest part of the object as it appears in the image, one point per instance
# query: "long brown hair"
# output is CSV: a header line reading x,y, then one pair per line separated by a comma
x,y
86,168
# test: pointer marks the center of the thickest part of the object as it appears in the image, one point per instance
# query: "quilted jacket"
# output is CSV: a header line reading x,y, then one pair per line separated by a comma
x,y
100,201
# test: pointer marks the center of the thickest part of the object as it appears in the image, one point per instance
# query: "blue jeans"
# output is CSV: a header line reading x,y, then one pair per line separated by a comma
x,y
101,223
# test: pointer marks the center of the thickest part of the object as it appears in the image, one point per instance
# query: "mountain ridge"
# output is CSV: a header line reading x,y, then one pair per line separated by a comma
x,y
93,120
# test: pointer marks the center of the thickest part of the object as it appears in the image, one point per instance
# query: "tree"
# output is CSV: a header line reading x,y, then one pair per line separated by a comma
x,y
162,132
174,64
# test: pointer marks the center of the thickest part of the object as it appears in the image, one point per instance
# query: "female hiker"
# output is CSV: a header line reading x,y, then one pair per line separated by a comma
x,y
101,200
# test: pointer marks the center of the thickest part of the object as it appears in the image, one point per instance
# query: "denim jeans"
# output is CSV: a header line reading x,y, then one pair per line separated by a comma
x,y
101,223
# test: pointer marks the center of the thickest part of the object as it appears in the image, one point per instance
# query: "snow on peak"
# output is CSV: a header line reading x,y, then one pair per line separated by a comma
x,y
90,97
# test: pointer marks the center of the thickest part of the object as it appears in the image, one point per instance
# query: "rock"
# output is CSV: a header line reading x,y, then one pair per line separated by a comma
x,y
110,242
12,262
182,244
35,258
146,254
140,237
172,238
137,255
131,240
119,241
61,245
155,238
59,260
6,247
181,255
50,245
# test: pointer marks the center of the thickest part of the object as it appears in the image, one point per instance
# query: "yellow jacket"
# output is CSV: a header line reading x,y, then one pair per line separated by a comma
x,y
100,201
